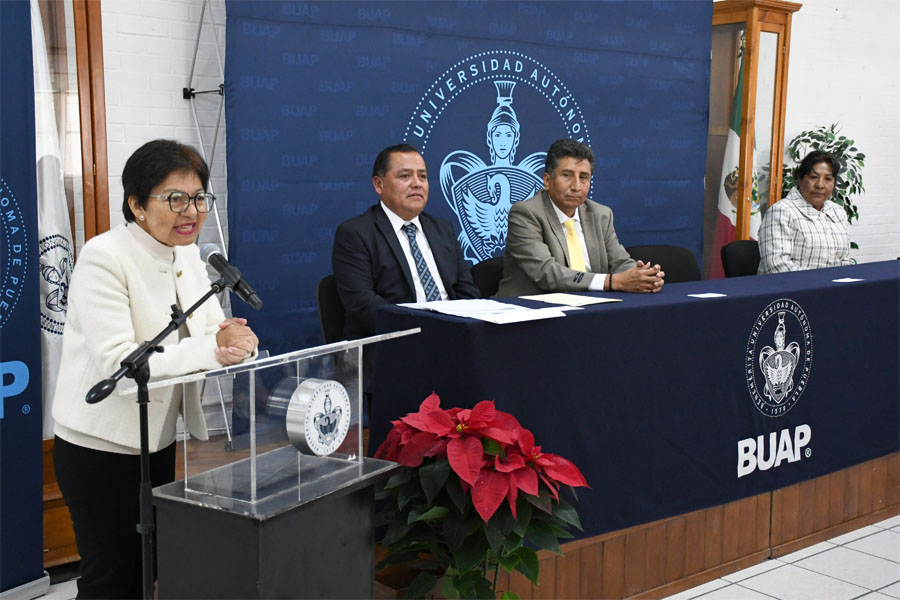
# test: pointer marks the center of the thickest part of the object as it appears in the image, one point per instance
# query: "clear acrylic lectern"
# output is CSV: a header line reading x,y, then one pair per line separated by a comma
x,y
293,454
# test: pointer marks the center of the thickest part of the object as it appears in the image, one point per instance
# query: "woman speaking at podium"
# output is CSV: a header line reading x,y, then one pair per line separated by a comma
x,y
121,294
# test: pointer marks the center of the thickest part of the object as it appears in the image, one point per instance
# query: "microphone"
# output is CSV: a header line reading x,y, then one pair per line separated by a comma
x,y
212,256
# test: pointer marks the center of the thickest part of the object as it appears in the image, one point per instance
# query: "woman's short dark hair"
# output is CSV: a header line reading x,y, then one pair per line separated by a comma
x,y
383,160
811,160
567,149
152,163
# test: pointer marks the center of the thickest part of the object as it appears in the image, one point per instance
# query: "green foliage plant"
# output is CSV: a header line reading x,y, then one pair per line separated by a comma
x,y
849,183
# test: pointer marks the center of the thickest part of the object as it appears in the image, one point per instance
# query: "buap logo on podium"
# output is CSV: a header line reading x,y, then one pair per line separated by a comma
x,y
480,184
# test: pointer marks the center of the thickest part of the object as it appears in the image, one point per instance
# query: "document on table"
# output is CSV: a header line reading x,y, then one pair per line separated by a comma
x,y
570,299
707,295
487,310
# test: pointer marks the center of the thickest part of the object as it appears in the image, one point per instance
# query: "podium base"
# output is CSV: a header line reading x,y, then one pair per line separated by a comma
x,y
324,548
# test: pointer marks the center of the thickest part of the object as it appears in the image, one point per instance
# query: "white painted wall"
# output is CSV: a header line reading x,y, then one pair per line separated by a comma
x,y
845,68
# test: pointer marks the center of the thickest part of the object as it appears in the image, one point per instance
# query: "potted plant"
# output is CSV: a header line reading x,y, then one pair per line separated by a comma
x,y
849,182
474,491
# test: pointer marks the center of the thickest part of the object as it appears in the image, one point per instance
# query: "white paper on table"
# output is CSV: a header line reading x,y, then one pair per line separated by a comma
x,y
487,310
846,280
570,299
518,316
708,295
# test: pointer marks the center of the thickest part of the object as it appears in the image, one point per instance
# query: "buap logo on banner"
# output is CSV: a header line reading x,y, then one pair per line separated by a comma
x,y
777,366
480,192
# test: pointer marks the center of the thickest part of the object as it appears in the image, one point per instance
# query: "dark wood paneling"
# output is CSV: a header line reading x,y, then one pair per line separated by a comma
x,y
694,546
713,540
893,479
823,484
747,530
613,568
546,587
520,586
568,575
635,553
791,508
675,538
864,499
851,494
836,498
806,517
879,484
731,525
592,570
655,569
763,521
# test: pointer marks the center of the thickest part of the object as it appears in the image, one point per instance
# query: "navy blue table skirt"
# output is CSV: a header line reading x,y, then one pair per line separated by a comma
x,y
670,403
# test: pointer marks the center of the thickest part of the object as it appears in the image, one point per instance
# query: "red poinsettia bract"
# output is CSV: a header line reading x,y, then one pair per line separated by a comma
x,y
460,436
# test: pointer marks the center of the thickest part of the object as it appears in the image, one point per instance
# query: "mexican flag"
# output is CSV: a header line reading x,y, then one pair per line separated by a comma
x,y
728,185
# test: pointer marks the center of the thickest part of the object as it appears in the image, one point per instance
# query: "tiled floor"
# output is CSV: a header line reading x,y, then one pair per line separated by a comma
x,y
861,564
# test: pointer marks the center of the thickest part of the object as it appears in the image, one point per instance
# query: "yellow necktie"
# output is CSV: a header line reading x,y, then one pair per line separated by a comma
x,y
576,255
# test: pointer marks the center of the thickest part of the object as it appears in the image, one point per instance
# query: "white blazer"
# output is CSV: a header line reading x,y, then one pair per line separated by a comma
x,y
121,294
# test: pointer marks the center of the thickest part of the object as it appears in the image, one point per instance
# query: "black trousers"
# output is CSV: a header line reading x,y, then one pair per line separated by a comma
x,y
102,491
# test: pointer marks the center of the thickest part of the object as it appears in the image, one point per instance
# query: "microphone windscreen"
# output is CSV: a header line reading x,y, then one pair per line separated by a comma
x,y
208,250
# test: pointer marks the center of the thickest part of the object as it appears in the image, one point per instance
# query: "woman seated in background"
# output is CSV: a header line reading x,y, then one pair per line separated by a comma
x,y
805,230
121,292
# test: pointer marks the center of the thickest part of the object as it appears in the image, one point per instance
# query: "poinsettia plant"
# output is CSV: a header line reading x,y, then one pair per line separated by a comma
x,y
476,489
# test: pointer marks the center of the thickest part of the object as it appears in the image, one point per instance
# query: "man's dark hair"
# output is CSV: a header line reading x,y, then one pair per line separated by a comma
x,y
811,160
567,149
152,163
383,160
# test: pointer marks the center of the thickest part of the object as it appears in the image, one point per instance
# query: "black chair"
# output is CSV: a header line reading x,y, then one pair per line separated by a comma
x,y
331,311
740,258
487,275
679,264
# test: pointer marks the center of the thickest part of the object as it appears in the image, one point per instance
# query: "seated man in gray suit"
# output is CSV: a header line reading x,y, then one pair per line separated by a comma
x,y
559,241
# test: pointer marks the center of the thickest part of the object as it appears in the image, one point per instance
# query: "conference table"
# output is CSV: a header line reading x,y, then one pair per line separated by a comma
x,y
705,393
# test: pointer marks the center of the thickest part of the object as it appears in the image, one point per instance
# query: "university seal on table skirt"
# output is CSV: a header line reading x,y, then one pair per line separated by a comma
x,y
779,357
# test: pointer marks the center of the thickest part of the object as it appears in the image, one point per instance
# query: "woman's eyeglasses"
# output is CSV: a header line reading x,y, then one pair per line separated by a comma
x,y
179,201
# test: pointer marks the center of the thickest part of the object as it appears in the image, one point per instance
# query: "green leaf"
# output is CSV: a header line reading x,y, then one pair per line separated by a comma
x,y
542,502
457,495
421,585
523,514
448,589
528,565
495,536
562,532
407,492
471,553
492,447
854,245
435,512
541,535
512,542
509,596
567,513
432,477
395,531
402,475
509,560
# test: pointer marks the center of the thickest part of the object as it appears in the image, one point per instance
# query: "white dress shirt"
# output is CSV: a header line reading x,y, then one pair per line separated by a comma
x,y
599,280
397,225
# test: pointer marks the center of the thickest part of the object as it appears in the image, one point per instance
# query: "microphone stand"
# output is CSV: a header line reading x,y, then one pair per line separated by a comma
x,y
136,366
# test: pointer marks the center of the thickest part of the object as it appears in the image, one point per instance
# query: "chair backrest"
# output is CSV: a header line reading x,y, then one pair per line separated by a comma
x,y
331,311
487,275
679,264
740,258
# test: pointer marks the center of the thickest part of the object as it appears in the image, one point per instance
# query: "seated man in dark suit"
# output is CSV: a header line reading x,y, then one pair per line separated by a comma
x,y
559,241
394,252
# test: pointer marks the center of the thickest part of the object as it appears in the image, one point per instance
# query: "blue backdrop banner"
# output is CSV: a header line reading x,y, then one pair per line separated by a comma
x,y
315,90
21,486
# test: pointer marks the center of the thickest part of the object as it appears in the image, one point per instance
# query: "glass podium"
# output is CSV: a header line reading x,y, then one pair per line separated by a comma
x,y
293,454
